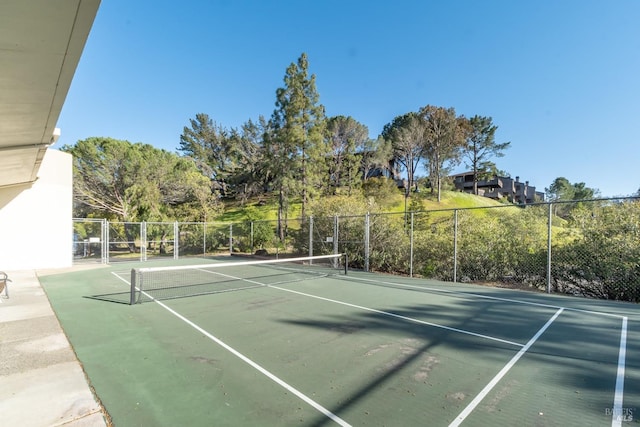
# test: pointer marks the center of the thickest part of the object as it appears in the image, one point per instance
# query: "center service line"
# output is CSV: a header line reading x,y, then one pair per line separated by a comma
x,y
465,413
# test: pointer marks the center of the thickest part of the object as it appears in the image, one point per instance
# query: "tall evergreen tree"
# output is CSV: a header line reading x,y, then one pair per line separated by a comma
x,y
299,136
211,147
249,178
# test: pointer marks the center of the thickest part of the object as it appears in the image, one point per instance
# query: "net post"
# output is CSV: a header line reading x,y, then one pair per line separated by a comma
x,y
132,296
346,262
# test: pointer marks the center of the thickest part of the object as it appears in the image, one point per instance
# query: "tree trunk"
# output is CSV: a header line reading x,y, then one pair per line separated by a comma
x,y
163,244
131,237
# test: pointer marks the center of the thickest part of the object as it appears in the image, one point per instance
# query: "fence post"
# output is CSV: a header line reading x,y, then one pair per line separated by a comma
x,y
455,245
311,237
252,249
176,240
366,242
105,240
335,239
335,234
411,248
204,238
231,239
549,221
143,241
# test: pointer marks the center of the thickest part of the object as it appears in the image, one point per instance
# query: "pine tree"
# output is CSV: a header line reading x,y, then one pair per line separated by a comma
x,y
480,145
298,146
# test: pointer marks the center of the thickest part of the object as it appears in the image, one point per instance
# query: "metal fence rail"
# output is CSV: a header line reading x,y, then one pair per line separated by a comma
x,y
589,248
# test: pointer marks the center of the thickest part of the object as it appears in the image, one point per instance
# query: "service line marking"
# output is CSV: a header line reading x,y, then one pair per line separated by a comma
x,y
399,316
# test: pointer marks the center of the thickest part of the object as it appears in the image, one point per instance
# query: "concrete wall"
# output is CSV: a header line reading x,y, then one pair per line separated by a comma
x,y
36,230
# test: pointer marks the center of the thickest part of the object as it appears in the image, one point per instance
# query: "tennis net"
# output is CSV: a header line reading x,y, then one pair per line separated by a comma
x,y
160,283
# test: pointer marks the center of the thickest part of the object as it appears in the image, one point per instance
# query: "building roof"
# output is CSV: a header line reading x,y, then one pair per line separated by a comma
x,y
40,46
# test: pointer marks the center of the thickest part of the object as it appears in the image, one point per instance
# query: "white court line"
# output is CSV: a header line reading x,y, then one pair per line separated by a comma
x,y
472,405
449,291
373,310
117,274
259,368
399,316
617,415
250,362
617,412
386,313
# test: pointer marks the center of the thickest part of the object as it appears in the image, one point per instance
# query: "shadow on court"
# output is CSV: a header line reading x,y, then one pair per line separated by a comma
x,y
378,323
371,353
566,378
118,297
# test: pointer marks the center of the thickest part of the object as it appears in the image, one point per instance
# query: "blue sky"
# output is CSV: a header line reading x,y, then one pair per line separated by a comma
x,y
561,79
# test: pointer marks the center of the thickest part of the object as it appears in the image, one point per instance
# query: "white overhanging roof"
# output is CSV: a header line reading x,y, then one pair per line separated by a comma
x,y
40,46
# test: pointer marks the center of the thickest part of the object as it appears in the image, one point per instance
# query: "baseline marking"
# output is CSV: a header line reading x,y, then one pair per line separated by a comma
x,y
617,415
250,362
471,294
472,405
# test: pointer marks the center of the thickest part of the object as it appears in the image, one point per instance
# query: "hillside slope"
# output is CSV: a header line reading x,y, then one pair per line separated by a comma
x,y
268,209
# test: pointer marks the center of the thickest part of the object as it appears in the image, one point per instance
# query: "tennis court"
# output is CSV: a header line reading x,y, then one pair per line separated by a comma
x,y
273,346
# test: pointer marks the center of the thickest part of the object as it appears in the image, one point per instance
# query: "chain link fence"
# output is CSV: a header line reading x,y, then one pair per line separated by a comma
x,y
585,248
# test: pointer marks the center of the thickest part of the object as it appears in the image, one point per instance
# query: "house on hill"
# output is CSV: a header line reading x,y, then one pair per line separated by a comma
x,y
498,188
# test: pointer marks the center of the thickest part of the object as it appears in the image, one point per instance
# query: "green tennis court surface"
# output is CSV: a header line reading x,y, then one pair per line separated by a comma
x,y
361,349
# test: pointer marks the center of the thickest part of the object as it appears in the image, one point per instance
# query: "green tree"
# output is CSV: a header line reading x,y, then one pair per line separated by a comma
x,y
560,189
563,190
406,135
444,137
582,192
297,144
487,170
375,154
137,182
277,166
480,145
250,176
225,155
346,135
